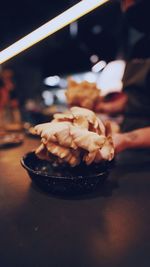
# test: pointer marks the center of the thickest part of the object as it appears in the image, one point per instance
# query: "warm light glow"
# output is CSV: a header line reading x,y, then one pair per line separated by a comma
x,y
62,20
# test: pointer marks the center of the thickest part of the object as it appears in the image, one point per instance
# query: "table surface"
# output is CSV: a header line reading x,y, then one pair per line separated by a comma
x,y
111,228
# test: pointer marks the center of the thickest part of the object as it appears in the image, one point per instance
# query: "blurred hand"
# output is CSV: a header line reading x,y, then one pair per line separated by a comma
x,y
111,107
135,139
120,142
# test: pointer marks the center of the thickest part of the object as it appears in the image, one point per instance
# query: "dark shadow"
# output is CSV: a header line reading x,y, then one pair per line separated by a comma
x,y
105,189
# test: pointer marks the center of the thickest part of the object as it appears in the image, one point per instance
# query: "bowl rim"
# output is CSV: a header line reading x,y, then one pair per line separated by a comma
x,y
25,166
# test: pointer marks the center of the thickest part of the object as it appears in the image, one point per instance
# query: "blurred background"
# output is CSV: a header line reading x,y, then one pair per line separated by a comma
x,y
103,36
73,49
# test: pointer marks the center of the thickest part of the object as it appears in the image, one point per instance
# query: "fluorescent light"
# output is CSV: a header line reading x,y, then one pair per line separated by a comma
x,y
52,80
52,26
99,66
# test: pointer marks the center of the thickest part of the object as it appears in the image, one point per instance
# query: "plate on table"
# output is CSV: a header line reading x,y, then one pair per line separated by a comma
x,y
10,140
65,180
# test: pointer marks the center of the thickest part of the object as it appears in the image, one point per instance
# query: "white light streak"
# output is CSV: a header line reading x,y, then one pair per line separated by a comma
x,y
52,26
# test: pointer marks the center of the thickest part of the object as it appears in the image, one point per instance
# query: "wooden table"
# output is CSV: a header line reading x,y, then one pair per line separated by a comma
x,y
111,228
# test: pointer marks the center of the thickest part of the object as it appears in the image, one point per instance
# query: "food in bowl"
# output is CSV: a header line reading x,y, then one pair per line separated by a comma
x,y
74,137
83,94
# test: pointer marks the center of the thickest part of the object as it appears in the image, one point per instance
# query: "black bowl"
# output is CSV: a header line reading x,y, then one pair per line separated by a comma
x,y
65,180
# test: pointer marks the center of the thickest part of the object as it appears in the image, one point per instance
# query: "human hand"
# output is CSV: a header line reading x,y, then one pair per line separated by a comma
x,y
116,105
120,142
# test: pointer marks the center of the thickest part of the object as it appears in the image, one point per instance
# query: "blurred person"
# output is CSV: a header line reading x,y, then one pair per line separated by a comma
x,y
136,80
134,101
